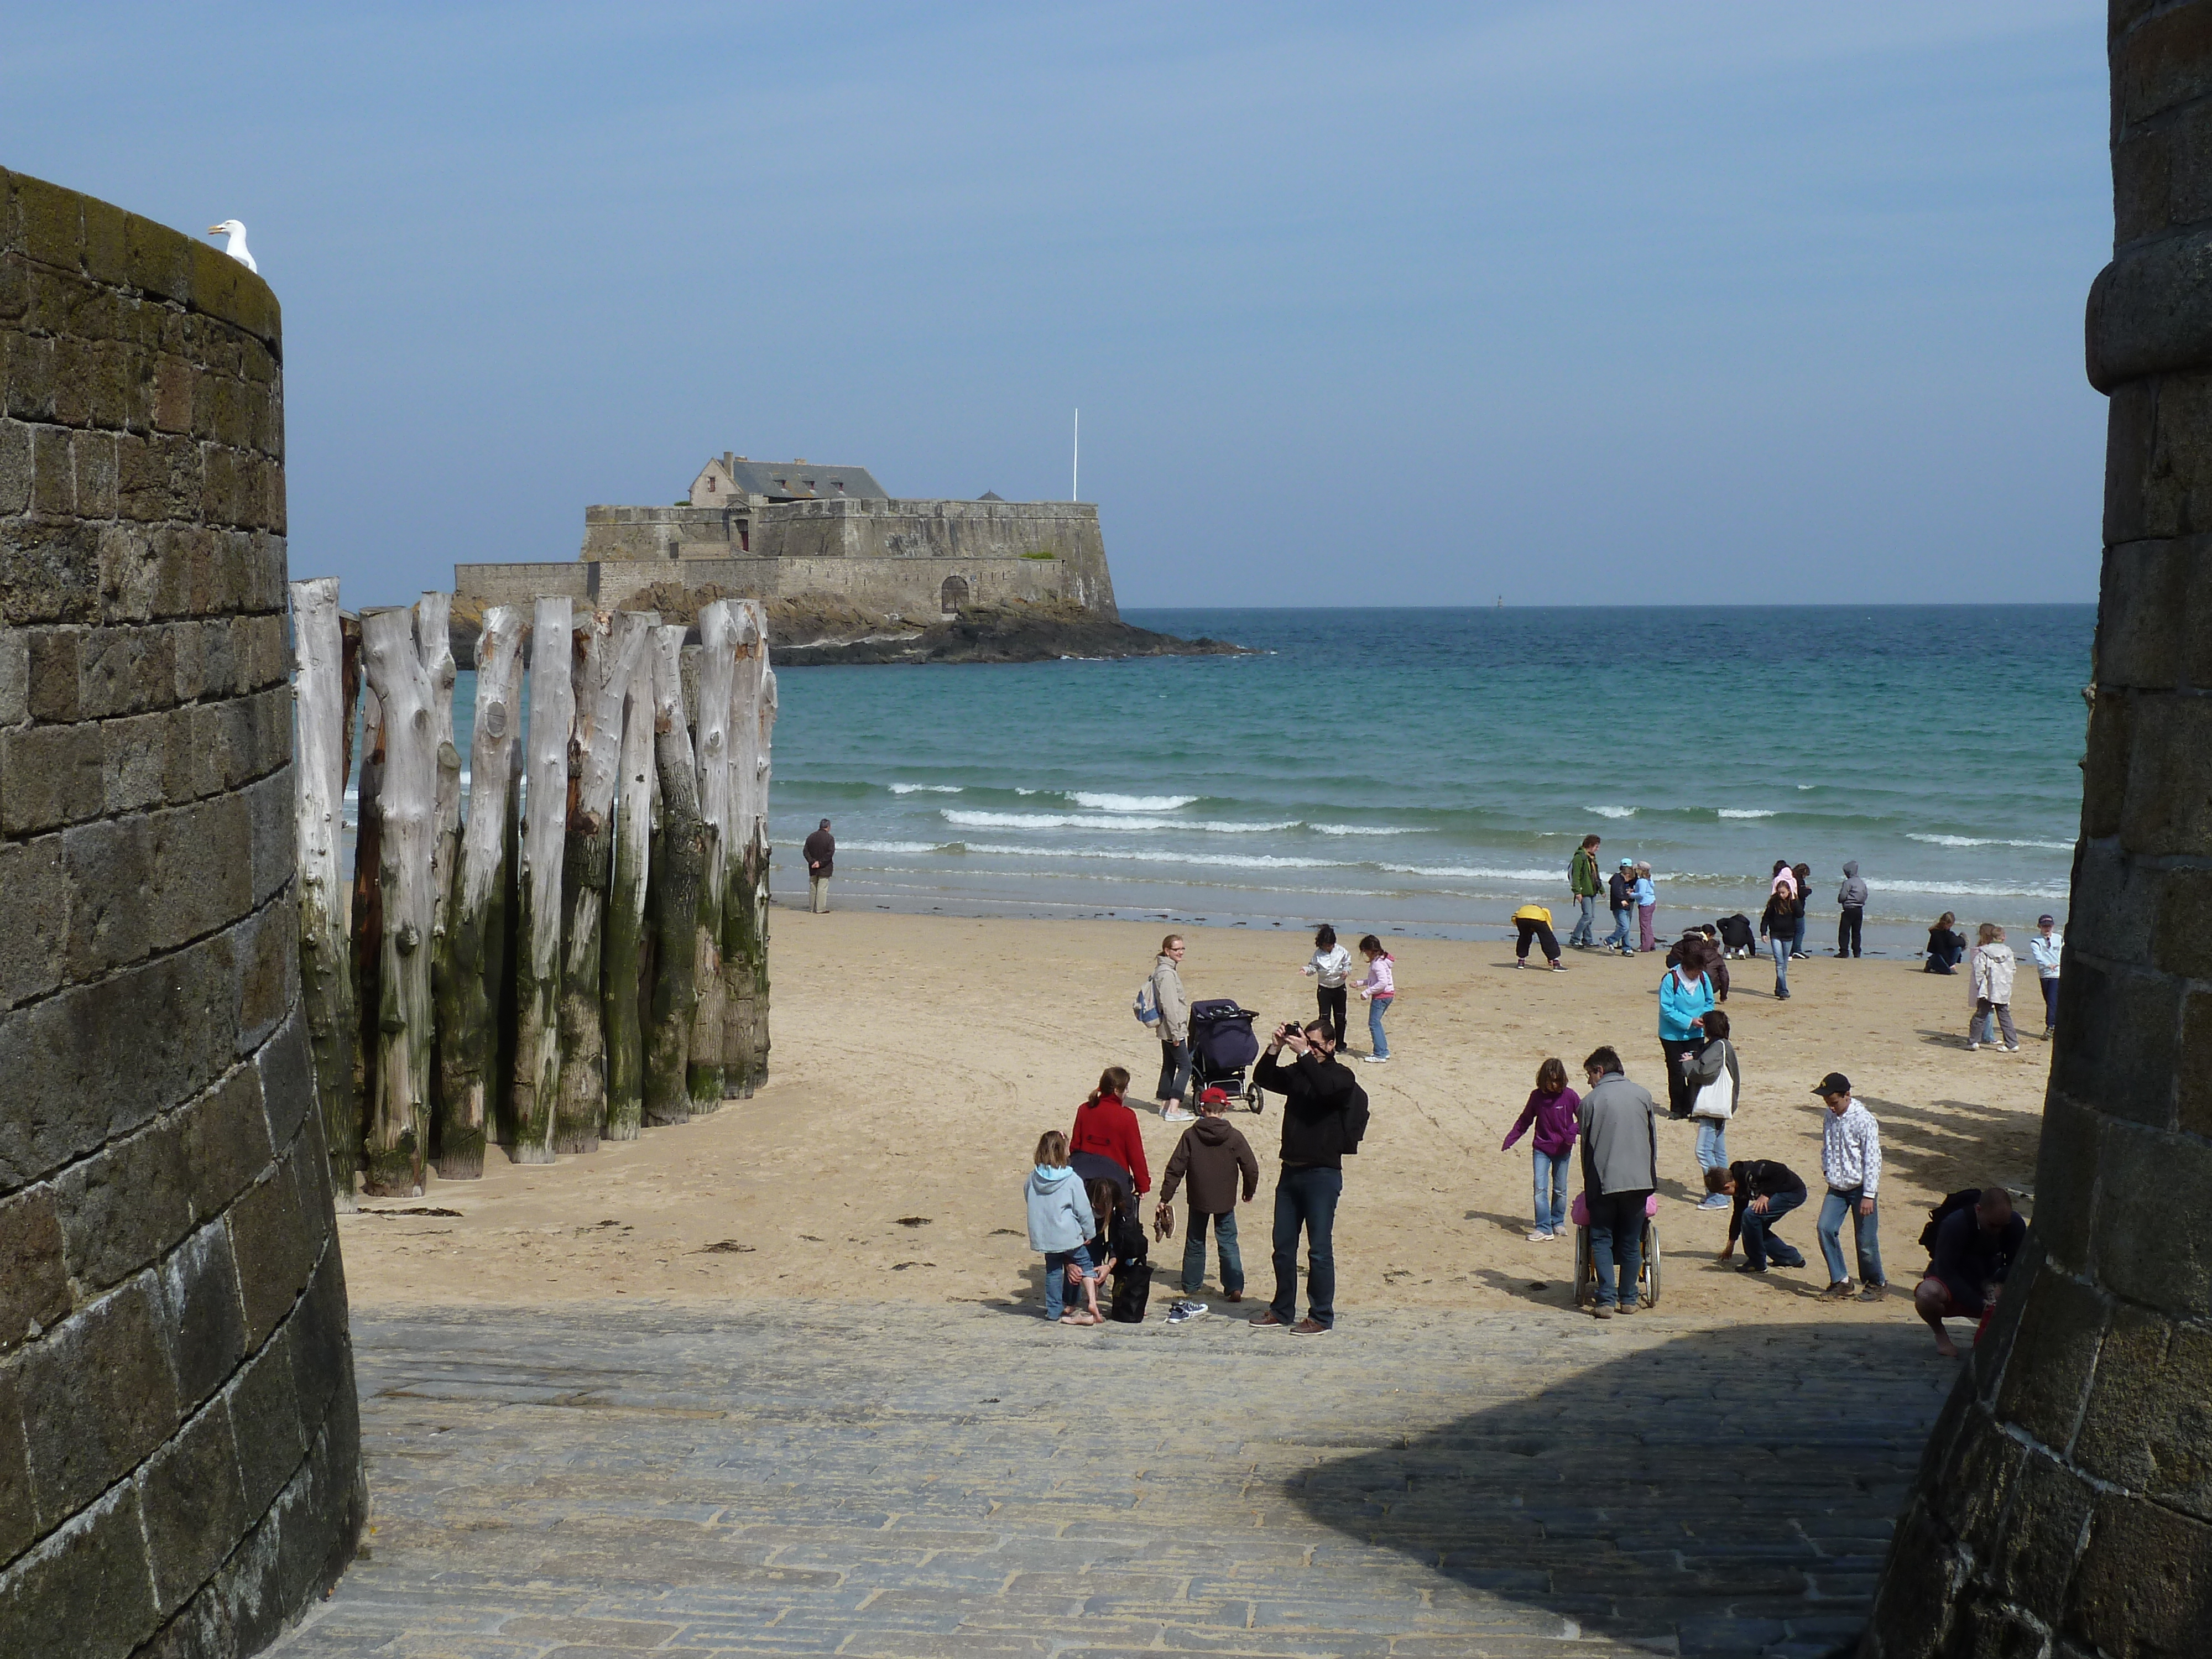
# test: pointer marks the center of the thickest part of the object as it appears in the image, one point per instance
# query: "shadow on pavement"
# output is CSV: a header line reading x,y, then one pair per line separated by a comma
x,y
1727,1492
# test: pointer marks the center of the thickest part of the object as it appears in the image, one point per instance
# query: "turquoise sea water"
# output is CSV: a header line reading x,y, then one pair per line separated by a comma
x,y
1428,771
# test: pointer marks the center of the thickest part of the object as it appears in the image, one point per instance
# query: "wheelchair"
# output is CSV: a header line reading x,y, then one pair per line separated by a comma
x,y
1647,1280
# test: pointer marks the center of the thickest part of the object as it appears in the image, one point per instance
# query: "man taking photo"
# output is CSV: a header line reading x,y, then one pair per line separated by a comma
x,y
1324,1114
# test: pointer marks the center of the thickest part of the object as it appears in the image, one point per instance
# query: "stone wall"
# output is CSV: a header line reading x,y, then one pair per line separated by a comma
x,y
180,1466
2064,1503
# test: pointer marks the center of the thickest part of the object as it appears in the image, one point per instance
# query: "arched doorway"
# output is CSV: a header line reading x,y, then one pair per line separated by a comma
x,y
953,595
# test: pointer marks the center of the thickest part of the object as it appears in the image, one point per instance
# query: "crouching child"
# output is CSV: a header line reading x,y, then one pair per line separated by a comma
x,y
1060,1225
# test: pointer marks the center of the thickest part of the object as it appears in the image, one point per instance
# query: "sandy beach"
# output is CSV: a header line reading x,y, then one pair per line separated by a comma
x,y
916,1059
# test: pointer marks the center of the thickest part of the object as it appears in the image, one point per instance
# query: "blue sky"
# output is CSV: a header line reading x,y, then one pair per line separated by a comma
x,y
1602,302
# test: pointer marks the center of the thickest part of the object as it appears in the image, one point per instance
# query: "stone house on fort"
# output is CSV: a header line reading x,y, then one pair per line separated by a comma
x,y
779,529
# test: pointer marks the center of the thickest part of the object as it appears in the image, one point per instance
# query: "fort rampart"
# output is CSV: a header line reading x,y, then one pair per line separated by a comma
x,y
180,1466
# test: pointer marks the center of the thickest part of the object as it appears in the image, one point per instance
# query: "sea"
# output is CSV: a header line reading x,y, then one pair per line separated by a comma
x,y
1426,772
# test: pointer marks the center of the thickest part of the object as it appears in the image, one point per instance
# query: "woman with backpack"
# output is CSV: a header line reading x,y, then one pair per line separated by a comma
x,y
1171,1008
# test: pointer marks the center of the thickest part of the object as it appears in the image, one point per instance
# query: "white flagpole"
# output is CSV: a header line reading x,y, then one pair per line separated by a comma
x,y
1075,465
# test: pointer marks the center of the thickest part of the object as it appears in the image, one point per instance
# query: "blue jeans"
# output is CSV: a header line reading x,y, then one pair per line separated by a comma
x,y
1551,1190
1780,946
1619,936
1584,930
1616,1236
1377,1007
1760,1244
1307,1198
1224,1241
1865,1237
1712,1147
1056,1276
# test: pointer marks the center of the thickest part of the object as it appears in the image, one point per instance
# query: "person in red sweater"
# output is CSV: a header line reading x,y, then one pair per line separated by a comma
x,y
1103,1125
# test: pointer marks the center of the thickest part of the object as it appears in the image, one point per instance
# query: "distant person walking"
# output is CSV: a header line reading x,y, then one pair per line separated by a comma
x,y
1583,883
1993,967
1947,946
1686,997
1777,926
1647,906
1535,922
820,852
1850,1161
1852,900
1552,1111
1619,1123
1324,1113
1761,1192
1620,894
1331,963
2044,951
1717,1088
1803,895
1214,1157
1174,1030
1379,990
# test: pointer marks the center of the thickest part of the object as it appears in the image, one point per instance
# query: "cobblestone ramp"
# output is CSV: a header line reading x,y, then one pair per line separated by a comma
x,y
895,1481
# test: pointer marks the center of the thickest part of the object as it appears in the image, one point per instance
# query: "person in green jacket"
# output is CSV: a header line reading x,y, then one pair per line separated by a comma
x,y
1583,883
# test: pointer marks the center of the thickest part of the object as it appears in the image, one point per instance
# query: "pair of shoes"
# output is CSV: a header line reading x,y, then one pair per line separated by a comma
x,y
1178,1115
1182,1312
1603,1311
1307,1327
1265,1316
1541,1236
1375,1060
1872,1292
1838,1291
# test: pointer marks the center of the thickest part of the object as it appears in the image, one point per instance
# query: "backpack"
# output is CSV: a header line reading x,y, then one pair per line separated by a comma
x,y
1146,1007
1351,1122
1132,1290
1952,1203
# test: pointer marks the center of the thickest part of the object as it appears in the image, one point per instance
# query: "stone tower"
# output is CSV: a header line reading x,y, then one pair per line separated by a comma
x,y
2064,1506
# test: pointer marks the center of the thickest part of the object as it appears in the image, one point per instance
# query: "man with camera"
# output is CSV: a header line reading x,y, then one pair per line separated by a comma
x,y
1324,1116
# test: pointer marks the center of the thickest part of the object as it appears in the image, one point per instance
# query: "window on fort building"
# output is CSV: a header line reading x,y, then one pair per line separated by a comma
x,y
952,595
710,486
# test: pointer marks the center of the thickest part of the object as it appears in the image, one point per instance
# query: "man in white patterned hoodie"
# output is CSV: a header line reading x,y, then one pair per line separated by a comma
x,y
1850,1159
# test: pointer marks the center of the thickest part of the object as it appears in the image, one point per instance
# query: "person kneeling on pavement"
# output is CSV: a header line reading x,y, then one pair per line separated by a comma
x,y
1324,1116
1974,1248
1762,1192
1618,1120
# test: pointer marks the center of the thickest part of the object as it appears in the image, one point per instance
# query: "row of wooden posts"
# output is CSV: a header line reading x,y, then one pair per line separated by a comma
x,y
585,952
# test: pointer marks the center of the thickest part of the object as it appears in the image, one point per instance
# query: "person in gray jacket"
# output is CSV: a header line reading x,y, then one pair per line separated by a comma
x,y
1852,896
1174,1030
1620,1169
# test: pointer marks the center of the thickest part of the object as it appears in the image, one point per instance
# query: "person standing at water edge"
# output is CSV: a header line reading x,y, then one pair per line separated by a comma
x,y
1324,1108
1618,1122
1582,883
820,852
1647,906
1174,1030
1851,899
1331,963
1850,1161
1553,1109
1620,894
1777,926
1378,990
1803,896
2044,951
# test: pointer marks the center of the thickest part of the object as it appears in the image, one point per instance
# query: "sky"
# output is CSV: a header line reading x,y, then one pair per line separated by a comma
x,y
1597,303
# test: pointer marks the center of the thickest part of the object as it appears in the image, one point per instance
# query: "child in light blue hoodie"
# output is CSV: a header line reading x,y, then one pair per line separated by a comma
x,y
1061,1223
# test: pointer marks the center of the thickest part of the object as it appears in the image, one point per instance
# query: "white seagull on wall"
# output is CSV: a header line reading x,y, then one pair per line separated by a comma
x,y
235,229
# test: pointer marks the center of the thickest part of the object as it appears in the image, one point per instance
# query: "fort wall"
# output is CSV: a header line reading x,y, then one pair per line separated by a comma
x,y
179,1461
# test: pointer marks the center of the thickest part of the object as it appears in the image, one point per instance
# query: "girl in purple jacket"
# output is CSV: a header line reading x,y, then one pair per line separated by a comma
x,y
1552,1107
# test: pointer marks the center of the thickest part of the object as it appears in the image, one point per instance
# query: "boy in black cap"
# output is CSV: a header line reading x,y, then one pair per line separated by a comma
x,y
1850,1159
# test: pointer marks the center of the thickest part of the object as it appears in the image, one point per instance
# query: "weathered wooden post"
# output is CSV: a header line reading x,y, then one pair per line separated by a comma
x,y
718,663
319,801
622,963
763,769
468,993
613,647
538,932
679,863
742,857
399,1118
367,911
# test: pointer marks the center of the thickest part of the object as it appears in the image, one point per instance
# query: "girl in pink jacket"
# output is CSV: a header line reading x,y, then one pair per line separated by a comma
x,y
1379,988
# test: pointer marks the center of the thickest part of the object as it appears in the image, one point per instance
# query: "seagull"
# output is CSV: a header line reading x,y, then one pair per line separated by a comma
x,y
235,229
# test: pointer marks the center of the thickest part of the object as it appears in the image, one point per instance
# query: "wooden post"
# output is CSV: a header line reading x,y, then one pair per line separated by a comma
x,y
679,862
718,663
466,992
763,777
319,805
544,840
434,641
741,855
622,964
366,917
614,647
398,1116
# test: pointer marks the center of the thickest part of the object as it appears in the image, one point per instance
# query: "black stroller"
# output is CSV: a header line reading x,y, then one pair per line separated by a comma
x,y
1222,1048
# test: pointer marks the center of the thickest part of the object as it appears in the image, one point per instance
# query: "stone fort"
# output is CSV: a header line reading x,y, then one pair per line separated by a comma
x,y
777,530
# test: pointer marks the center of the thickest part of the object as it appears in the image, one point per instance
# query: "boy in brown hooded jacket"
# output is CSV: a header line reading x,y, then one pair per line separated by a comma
x,y
1212,1154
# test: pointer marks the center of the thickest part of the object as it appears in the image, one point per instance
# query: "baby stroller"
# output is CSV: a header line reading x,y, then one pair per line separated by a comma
x,y
1647,1281
1221,1047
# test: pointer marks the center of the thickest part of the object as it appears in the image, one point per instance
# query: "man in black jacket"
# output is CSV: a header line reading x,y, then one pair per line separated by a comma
x,y
820,852
1319,1095
1763,1192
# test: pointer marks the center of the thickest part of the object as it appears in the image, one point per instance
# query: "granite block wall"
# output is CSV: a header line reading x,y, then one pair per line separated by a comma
x,y
180,1460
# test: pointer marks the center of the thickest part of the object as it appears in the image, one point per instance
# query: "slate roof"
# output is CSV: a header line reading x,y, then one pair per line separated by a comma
x,y
799,481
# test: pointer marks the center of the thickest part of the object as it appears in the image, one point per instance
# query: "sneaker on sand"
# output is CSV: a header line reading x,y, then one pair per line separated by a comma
x,y
1542,1235
1716,1201
1184,1312
1178,1115
1872,1292
1375,1060
2012,1047
1838,1291
1973,1048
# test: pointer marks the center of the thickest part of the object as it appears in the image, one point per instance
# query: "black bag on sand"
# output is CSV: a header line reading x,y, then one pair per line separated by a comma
x,y
1936,1216
1133,1289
